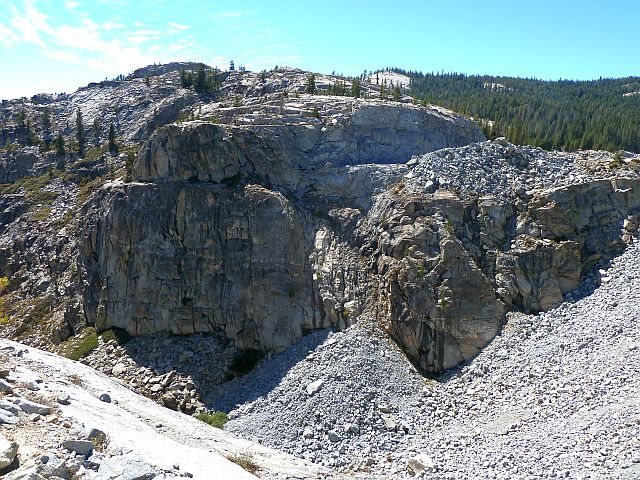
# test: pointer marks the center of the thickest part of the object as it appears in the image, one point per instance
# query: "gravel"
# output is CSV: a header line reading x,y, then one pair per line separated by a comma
x,y
555,395
508,171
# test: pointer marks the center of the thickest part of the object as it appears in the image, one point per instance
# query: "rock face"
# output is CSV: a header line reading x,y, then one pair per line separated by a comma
x,y
202,244
265,212
452,264
225,230
194,258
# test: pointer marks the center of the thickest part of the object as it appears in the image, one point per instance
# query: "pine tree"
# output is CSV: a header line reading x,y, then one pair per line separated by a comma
x,y
397,94
46,120
311,85
186,78
201,79
113,147
80,133
60,145
356,88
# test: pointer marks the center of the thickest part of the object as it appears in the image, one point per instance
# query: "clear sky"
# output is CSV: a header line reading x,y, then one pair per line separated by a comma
x,y
59,45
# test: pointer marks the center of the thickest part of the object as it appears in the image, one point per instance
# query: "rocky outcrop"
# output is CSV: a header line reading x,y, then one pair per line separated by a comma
x,y
197,244
95,427
217,233
452,266
265,212
193,258
25,163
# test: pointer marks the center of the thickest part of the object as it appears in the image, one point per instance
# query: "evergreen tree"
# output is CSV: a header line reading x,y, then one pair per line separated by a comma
x,y
186,78
113,147
60,145
356,88
46,120
80,133
311,85
96,131
397,94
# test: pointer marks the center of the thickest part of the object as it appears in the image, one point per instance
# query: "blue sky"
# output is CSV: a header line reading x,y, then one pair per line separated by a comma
x,y
59,45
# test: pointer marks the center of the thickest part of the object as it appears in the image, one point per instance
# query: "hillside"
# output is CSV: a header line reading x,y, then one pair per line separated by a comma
x,y
602,114
357,279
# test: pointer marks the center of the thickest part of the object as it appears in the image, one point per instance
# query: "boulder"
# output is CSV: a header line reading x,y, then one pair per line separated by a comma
x,y
8,418
80,447
30,407
125,467
5,387
8,452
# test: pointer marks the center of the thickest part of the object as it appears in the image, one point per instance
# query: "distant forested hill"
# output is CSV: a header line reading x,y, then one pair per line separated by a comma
x,y
597,114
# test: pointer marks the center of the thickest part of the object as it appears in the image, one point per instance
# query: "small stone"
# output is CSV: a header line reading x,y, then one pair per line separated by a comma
x,y
389,422
54,467
105,397
314,387
384,408
419,464
35,417
118,369
307,433
80,447
168,379
334,437
8,452
169,401
63,398
5,387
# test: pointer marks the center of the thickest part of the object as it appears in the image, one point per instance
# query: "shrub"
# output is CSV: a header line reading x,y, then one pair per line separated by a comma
x,y
81,345
120,335
4,283
215,419
245,461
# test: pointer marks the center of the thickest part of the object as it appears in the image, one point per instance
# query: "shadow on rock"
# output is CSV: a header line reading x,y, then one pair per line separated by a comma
x,y
264,377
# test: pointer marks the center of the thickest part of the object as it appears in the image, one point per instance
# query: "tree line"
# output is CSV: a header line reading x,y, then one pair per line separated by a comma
x,y
601,114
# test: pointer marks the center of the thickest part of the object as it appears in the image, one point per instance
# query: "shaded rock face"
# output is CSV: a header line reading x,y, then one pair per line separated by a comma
x,y
220,236
450,268
193,258
245,230
14,166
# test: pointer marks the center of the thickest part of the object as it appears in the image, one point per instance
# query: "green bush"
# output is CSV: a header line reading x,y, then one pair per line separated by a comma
x,y
114,333
215,419
81,345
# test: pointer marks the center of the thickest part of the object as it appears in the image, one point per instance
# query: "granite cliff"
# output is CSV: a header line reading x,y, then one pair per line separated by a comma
x,y
263,212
